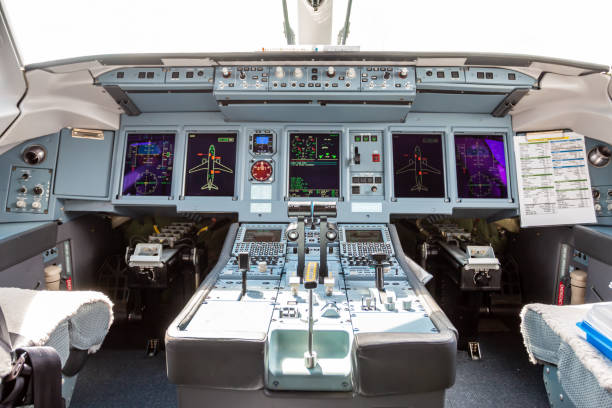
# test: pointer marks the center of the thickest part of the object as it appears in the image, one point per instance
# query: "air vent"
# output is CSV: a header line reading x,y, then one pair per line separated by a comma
x,y
34,154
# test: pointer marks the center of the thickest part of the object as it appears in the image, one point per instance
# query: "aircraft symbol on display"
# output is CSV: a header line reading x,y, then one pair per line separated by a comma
x,y
418,165
212,165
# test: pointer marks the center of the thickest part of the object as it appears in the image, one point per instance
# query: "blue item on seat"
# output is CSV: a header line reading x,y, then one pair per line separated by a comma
x,y
596,339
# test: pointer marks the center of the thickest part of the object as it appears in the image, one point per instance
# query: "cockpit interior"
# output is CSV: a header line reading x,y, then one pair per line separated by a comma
x,y
304,226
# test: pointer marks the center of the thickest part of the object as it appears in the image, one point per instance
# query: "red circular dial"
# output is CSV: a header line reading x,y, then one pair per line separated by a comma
x,y
261,170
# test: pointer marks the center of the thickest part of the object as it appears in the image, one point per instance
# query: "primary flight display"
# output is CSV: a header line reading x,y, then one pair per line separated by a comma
x,y
148,165
314,165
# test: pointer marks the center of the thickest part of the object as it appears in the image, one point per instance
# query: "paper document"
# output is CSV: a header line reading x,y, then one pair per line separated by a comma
x,y
553,179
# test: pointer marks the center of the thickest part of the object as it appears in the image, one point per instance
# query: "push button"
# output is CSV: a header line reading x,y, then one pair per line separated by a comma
x,y
375,158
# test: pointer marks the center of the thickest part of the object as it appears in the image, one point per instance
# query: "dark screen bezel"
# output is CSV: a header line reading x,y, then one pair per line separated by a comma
x,y
338,133
125,156
186,152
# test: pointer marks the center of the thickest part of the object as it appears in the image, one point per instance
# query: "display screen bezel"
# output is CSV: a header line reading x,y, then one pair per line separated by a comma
x,y
214,132
327,132
127,134
443,170
507,158
270,144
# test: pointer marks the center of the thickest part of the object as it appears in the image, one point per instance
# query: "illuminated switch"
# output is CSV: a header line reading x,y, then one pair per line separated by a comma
x,y
375,157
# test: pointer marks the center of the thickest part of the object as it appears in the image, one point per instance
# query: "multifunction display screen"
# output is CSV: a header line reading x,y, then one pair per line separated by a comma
x,y
149,160
211,163
363,236
263,143
418,165
262,235
481,166
314,160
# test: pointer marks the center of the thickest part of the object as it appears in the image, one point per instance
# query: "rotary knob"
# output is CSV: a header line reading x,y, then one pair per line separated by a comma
x,y
38,190
387,75
292,235
36,205
298,73
331,71
20,204
23,189
242,75
279,72
350,73
403,73
225,72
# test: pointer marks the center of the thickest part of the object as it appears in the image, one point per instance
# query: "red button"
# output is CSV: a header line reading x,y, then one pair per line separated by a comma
x,y
376,158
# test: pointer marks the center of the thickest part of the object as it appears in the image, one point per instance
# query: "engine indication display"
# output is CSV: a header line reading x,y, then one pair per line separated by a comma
x,y
261,170
149,159
211,160
418,165
481,166
314,164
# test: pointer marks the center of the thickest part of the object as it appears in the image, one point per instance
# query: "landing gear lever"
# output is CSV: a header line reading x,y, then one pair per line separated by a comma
x,y
380,261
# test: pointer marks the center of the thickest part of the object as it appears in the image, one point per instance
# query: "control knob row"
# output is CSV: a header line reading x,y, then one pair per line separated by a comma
x,y
298,73
38,190
22,204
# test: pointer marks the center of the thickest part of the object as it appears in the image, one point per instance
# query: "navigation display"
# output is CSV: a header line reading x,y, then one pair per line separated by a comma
x,y
481,166
259,235
314,160
363,236
149,159
211,162
418,165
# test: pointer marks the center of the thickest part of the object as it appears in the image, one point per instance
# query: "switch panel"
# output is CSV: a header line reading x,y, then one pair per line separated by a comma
x,y
29,190
235,78
296,79
381,78
366,165
190,75
440,75
602,200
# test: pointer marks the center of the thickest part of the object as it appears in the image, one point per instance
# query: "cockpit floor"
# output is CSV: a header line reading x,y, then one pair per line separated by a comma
x,y
128,378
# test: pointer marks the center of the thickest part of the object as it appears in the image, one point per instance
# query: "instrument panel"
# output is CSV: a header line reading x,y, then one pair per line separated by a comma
x,y
370,171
